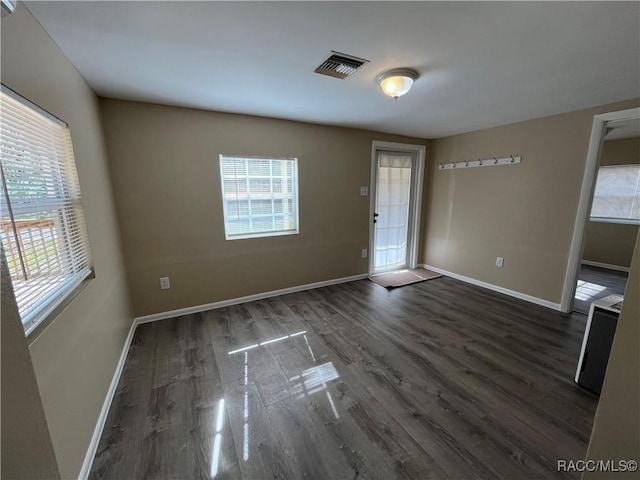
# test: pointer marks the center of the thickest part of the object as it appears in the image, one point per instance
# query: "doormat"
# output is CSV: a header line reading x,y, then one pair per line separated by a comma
x,y
403,277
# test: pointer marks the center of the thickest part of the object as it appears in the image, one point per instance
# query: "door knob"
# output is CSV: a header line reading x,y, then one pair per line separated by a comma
x,y
375,216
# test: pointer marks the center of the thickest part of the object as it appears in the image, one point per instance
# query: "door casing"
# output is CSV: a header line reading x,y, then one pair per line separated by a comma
x,y
598,131
420,152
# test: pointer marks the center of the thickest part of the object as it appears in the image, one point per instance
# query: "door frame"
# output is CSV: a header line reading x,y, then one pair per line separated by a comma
x,y
420,152
598,131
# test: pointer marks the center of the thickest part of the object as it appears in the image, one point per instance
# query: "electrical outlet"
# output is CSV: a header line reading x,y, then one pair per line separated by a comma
x,y
499,262
364,191
164,283
364,253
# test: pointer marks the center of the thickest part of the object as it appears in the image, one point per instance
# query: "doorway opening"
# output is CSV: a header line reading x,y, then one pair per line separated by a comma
x,y
397,172
586,280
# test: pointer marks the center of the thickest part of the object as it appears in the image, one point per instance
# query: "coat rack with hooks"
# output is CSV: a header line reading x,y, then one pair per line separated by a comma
x,y
487,162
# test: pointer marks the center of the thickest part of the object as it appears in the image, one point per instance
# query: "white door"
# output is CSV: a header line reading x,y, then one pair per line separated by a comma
x,y
393,212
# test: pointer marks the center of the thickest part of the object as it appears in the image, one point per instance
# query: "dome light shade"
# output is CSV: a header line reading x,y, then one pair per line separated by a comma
x,y
397,82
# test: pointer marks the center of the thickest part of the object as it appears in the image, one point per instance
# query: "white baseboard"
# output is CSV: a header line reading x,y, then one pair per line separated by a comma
x,y
249,298
102,418
495,288
608,266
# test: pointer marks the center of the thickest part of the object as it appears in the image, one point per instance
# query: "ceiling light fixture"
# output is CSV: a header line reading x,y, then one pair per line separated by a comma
x,y
397,82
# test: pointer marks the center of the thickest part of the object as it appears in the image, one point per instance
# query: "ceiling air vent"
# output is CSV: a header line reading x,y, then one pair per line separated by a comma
x,y
340,65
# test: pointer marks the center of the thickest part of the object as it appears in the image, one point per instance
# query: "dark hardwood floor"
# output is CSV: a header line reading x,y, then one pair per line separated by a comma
x,y
595,283
438,379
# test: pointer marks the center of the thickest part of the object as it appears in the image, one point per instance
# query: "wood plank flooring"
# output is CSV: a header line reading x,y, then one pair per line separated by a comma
x,y
595,283
435,380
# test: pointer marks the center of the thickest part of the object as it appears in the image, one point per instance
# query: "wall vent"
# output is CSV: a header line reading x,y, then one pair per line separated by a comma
x,y
340,65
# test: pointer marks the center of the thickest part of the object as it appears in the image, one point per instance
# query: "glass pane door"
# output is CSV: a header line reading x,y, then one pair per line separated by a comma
x,y
392,205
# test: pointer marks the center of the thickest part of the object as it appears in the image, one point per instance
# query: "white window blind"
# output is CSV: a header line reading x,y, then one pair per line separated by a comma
x,y
259,196
42,223
617,194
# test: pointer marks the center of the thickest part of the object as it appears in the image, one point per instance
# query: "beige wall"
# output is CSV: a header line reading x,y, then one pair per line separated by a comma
x,y
27,451
610,243
620,152
616,427
613,243
75,357
164,164
524,213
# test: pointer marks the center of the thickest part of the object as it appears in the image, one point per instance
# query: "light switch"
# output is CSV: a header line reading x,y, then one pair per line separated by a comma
x,y
364,191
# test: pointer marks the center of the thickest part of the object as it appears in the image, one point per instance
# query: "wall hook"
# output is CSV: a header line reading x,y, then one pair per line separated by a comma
x,y
507,160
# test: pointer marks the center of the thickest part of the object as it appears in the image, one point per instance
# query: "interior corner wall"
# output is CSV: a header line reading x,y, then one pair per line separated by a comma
x,y
75,357
616,427
523,212
612,243
165,170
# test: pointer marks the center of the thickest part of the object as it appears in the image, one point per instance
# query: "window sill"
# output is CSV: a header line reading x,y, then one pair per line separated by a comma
x,y
59,301
620,221
262,235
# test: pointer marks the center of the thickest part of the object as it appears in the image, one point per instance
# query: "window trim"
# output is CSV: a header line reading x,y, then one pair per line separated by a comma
x,y
25,101
620,221
52,300
52,303
273,233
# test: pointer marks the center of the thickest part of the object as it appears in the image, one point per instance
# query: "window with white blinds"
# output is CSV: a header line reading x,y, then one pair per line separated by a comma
x,y
259,196
43,232
616,198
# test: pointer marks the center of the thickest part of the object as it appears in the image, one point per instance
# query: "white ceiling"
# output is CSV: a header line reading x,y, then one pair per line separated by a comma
x,y
481,64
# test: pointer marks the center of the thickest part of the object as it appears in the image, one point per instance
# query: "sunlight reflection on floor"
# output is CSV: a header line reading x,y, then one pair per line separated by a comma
x,y
309,382
586,290
314,379
215,461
